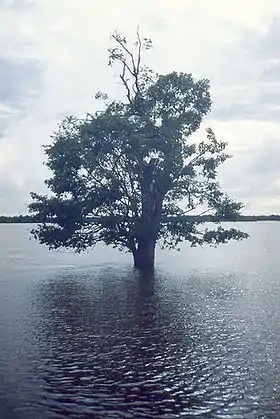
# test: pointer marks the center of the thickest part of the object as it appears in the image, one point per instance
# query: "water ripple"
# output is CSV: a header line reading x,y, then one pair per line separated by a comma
x,y
103,342
129,349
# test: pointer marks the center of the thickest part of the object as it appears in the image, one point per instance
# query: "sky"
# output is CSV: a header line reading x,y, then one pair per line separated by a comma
x,y
53,59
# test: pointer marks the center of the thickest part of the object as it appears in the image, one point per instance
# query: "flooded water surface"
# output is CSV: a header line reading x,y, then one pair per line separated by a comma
x,y
86,336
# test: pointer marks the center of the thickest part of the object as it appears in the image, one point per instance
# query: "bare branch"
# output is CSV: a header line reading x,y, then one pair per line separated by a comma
x,y
126,66
139,51
204,212
124,81
197,157
121,43
134,68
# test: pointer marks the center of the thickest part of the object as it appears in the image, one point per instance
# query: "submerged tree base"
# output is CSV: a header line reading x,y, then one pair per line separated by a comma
x,y
144,255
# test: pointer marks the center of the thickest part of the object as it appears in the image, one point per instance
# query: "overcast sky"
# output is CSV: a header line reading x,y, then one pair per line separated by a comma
x,y
53,59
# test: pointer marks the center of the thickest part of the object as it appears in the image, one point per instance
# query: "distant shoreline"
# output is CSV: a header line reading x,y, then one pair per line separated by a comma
x,y
27,219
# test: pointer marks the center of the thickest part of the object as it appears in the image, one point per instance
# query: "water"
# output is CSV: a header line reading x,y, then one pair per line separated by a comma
x,y
85,336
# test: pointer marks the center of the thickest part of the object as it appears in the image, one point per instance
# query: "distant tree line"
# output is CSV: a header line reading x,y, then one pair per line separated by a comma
x,y
238,217
17,219
203,218
272,217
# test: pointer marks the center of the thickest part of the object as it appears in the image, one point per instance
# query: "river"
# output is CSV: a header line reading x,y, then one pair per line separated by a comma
x,y
85,336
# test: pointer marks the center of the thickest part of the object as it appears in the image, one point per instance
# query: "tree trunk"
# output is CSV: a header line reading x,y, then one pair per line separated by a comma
x,y
152,199
144,254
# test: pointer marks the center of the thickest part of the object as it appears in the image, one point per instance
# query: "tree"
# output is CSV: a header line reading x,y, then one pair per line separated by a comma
x,y
129,176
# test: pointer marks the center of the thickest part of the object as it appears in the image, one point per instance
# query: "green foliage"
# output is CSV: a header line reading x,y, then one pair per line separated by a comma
x,y
131,171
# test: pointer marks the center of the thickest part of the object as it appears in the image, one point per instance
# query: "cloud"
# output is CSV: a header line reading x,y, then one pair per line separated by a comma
x,y
53,59
16,4
9,192
253,174
249,88
17,81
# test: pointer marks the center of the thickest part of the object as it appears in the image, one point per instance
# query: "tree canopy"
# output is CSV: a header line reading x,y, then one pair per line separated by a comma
x,y
130,174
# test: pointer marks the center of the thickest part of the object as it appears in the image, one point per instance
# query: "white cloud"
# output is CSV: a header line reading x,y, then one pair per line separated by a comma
x,y
68,40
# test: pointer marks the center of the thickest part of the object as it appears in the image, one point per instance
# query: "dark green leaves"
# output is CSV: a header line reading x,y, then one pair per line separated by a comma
x,y
131,170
